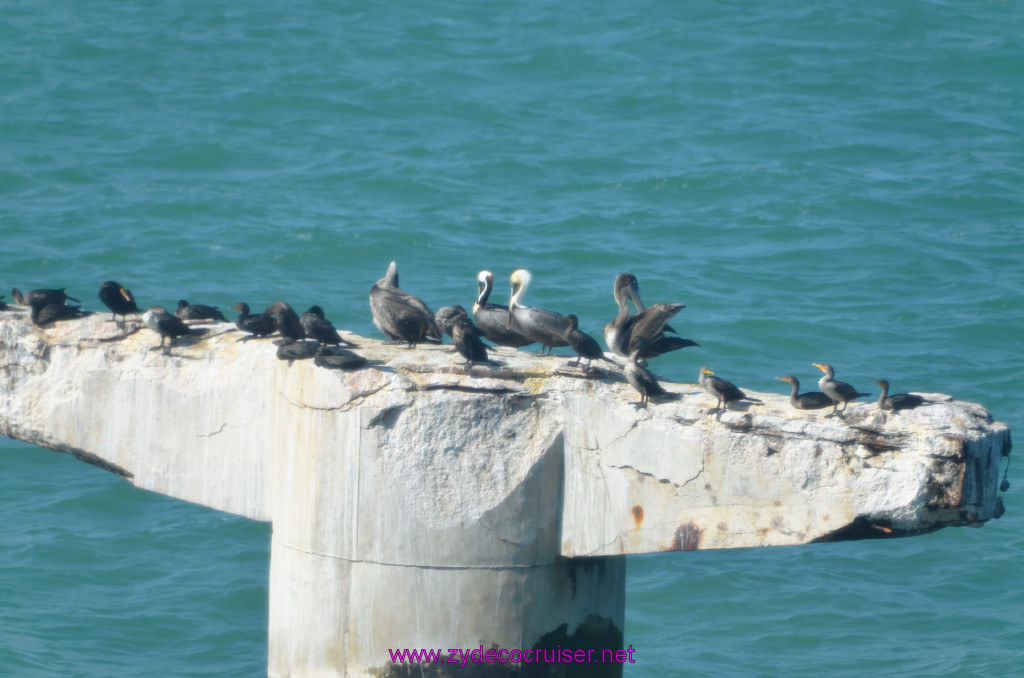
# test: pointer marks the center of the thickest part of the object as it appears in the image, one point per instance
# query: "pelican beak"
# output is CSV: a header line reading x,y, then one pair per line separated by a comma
x,y
633,292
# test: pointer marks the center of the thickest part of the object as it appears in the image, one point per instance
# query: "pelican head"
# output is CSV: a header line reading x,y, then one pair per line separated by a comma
x,y
520,280
627,287
390,278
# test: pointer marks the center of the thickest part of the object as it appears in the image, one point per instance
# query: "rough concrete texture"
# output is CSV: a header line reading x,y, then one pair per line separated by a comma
x,y
420,504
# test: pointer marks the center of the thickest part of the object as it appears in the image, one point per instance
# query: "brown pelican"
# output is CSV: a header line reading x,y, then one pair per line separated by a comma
x,y
581,342
187,311
725,392
641,379
537,324
118,299
167,326
399,315
319,328
648,325
492,319
256,325
838,391
812,400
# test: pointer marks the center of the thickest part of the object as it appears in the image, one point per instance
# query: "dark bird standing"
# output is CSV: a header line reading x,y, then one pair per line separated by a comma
x,y
447,316
641,379
318,327
838,391
723,391
257,325
399,315
492,319
287,321
581,342
812,400
187,311
118,299
466,337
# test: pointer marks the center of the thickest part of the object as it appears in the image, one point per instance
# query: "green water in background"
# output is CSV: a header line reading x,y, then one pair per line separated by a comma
x,y
816,182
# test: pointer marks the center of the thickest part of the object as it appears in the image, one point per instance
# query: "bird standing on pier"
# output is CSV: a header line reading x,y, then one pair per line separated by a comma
x,y
537,324
582,343
187,311
492,319
724,392
641,379
399,315
319,328
167,326
898,401
118,299
466,337
812,400
257,325
647,325
287,322
838,391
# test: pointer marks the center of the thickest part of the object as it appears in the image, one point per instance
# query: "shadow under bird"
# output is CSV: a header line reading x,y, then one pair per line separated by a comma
x,y
812,400
647,325
400,316
466,337
119,299
641,379
261,325
898,401
42,297
582,343
492,319
187,311
318,327
338,359
838,391
723,391
547,328
167,326
287,321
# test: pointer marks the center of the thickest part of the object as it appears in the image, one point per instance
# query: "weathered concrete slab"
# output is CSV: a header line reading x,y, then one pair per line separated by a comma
x,y
417,503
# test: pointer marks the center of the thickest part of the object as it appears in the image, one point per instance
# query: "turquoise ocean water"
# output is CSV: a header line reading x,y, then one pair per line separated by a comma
x,y
816,181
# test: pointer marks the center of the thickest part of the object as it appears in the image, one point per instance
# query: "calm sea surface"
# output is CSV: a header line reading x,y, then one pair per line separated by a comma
x,y
827,181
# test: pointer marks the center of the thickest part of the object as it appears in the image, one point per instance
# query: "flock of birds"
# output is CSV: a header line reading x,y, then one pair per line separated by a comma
x,y
637,336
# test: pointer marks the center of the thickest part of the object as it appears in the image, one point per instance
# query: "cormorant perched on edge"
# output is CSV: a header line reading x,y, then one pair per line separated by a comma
x,y
319,328
287,322
187,311
724,391
447,316
492,319
118,299
256,325
898,401
584,344
545,327
466,337
647,325
838,391
399,315
42,297
641,379
812,400
167,326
